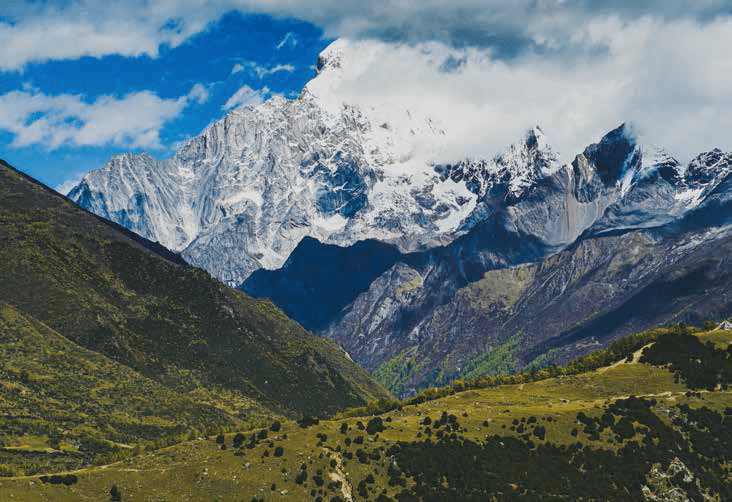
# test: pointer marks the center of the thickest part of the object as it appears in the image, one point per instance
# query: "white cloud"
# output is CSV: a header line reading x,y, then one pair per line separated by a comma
x,y
245,96
289,40
44,31
65,187
199,94
669,78
576,67
134,120
68,29
261,71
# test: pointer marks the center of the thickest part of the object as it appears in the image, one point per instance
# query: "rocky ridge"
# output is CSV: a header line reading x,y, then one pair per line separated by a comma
x,y
351,221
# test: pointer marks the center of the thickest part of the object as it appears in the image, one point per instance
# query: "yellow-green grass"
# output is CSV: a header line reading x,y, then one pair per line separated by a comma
x,y
200,470
57,397
720,338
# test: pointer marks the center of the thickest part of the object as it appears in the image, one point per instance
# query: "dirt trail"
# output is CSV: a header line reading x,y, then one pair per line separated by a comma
x,y
636,357
339,475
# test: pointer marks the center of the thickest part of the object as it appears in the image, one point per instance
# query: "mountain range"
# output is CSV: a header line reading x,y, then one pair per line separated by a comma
x,y
424,270
532,317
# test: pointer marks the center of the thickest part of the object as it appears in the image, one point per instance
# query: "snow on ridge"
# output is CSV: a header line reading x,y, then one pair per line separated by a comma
x,y
242,194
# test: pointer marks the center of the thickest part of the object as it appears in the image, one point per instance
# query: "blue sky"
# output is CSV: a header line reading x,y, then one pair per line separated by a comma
x,y
83,80
179,92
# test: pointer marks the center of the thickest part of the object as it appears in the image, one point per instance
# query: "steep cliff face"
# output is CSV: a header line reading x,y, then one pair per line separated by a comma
x,y
634,262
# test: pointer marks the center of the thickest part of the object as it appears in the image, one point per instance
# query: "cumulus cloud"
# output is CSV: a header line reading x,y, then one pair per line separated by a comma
x,y
36,32
669,78
486,68
509,26
134,120
41,31
245,96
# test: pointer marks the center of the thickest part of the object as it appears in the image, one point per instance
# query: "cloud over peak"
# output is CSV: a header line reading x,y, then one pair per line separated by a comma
x,y
488,69
668,78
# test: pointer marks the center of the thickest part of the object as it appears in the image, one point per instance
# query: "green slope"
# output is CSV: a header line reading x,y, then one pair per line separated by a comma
x,y
118,294
64,406
631,430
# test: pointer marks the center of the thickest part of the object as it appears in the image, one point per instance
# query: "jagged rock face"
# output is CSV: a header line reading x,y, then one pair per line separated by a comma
x,y
566,305
242,195
343,218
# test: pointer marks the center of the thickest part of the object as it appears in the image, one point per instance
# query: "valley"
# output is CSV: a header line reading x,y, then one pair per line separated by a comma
x,y
340,252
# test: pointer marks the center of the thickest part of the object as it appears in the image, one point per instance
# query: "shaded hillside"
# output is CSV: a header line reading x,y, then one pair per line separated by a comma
x,y
607,284
64,406
631,430
319,282
116,295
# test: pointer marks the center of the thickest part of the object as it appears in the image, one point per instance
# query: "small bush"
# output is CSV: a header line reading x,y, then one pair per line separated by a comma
x,y
375,425
115,494
301,477
308,421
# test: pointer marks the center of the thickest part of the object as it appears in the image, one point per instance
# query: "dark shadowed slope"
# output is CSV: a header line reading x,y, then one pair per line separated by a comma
x,y
126,298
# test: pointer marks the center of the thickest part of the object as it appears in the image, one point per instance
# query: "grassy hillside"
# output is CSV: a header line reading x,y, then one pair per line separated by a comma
x,y
629,430
115,293
110,339
64,406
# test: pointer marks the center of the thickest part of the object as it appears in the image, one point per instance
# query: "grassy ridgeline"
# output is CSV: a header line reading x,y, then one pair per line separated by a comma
x,y
628,430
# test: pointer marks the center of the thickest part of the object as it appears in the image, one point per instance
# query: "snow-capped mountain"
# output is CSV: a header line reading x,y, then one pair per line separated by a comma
x,y
357,222
242,194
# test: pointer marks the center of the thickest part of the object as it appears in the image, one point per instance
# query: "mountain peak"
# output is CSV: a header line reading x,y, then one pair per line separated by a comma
x,y
612,154
534,137
331,58
708,166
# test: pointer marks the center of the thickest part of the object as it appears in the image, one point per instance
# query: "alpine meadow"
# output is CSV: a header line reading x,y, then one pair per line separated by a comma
x,y
397,251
